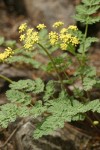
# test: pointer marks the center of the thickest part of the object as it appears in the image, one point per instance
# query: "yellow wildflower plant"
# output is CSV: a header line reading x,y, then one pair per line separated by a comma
x,y
56,102
53,37
22,28
8,53
57,24
41,26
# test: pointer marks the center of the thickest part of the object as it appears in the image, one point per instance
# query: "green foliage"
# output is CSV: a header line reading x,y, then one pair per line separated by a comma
x,y
82,9
89,76
59,113
1,40
38,109
91,2
85,11
18,97
10,43
23,111
62,62
49,90
86,71
78,92
7,43
11,111
87,44
19,100
34,86
88,83
8,113
22,56
59,100
39,86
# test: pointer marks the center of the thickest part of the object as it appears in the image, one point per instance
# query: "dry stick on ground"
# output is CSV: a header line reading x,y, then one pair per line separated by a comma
x,y
11,135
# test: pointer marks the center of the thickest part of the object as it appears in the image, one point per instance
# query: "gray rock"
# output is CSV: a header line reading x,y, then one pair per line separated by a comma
x,y
65,139
50,11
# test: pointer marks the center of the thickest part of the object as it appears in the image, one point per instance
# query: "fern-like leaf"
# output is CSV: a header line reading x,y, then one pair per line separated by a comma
x,y
88,83
87,44
37,109
8,114
49,91
25,60
91,2
35,86
85,11
18,97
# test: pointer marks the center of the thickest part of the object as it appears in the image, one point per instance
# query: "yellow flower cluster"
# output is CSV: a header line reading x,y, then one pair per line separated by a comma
x,y
29,37
63,46
53,37
74,41
58,24
67,38
8,53
63,30
73,27
63,38
23,27
41,26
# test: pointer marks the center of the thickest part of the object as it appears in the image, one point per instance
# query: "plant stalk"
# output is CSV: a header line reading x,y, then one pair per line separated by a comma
x,y
56,69
85,35
6,78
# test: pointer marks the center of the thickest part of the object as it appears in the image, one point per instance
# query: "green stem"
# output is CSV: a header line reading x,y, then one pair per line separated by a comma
x,y
84,40
85,35
56,69
6,78
81,98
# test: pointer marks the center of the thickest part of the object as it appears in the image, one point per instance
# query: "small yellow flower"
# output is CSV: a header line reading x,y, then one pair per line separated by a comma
x,y
8,53
53,37
63,30
41,26
22,37
74,41
22,27
65,37
29,31
27,45
57,24
63,46
72,27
